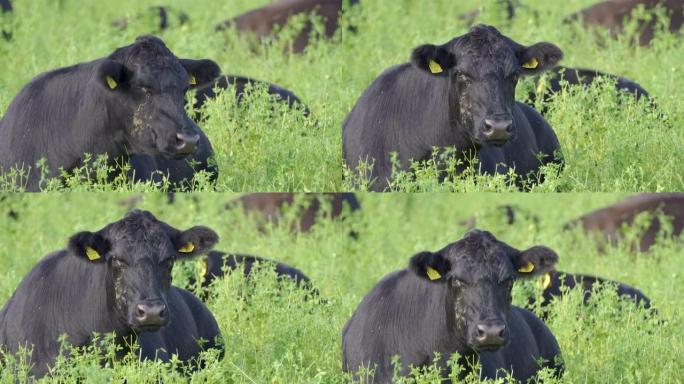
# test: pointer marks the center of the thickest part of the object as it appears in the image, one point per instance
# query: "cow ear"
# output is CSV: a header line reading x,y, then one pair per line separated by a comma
x,y
431,266
535,261
435,60
195,241
111,74
200,72
538,58
89,246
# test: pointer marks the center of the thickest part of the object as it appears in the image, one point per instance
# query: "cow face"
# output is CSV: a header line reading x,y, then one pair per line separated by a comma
x,y
483,68
479,272
139,252
147,85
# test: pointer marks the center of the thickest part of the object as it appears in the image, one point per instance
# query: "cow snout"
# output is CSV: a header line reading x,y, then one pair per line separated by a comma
x,y
186,144
153,314
497,131
492,335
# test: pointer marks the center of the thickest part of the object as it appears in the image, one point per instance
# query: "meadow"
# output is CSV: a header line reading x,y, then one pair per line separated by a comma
x,y
607,145
274,334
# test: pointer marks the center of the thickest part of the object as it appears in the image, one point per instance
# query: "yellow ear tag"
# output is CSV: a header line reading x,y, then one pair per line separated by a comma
x,y
187,248
193,80
433,274
529,267
435,67
111,82
92,254
532,64
203,267
545,281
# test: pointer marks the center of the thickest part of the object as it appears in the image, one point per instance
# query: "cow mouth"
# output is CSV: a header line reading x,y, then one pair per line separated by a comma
x,y
495,143
147,328
486,347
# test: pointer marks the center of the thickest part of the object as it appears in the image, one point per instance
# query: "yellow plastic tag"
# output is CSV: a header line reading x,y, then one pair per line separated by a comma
x,y
545,281
187,248
193,80
529,267
433,274
203,267
111,82
531,64
435,67
92,254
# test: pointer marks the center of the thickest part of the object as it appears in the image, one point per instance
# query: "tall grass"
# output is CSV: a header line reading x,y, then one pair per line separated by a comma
x,y
606,147
274,334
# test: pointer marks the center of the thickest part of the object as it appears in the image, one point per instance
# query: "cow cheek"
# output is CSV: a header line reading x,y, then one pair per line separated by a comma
x,y
140,125
121,293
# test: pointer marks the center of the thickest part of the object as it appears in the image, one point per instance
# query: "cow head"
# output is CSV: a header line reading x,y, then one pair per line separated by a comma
x,y
483,68
479,272
147,86
139,252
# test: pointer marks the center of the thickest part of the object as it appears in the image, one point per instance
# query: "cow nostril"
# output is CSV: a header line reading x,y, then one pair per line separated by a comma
x,y
140,311
163,312
509,129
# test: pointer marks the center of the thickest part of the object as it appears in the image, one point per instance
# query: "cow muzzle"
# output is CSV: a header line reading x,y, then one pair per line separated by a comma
x,y
489,335
150,315
186,144
497,131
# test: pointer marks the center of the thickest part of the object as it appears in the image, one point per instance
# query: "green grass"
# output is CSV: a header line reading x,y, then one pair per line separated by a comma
x,y
273,335
606,148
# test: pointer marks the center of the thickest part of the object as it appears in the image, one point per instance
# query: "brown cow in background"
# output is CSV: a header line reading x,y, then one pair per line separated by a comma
x,y
262,21
268,207
608,221
611,14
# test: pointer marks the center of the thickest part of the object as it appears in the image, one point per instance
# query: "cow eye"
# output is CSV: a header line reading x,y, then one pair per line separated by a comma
x,y
144,88
462,77
457,283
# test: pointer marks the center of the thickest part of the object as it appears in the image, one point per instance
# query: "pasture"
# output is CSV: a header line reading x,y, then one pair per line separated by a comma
x,y
607,146
273,334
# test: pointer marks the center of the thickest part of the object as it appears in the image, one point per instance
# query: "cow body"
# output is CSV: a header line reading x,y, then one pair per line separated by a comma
x,y
104,282
239,84
550,83
267,207
413,316
131,102
262,21
410,109
608,221
612,14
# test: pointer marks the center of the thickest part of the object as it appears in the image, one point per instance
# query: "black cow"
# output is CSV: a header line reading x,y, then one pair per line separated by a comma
x,y
550,84
131,102
552,282
612,14
115,280
239,85
460,94
262,21
215,264
163,16
457,299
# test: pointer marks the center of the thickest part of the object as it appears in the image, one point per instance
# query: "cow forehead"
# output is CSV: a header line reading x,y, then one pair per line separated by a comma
x,y
487,259
140,234
151,59
485,51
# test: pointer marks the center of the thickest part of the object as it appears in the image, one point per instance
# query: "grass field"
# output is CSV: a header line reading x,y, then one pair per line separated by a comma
x,y
606,147
273,335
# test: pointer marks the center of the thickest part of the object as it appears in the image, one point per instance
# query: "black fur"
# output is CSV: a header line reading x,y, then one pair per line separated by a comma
x,y
410,110
414,316
69,293
62,114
